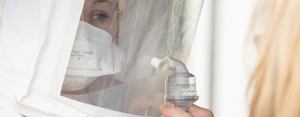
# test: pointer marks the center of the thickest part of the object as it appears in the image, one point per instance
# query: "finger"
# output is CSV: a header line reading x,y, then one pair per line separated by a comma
x,y
196,111
173,112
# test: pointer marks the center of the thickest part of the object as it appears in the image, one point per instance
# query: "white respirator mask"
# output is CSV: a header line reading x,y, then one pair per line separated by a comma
x,y
93,55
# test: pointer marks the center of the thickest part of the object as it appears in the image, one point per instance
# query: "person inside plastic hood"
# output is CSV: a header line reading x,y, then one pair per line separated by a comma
x,y
92,58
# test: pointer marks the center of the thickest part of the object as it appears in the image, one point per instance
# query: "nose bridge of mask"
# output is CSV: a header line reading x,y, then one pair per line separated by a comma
x,y
88,32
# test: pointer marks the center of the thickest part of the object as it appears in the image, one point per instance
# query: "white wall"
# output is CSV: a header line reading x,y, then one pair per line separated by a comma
x,y
1,5
219,50
200,60
232,19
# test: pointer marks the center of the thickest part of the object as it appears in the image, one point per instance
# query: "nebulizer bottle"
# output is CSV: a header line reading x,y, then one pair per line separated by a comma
x,y
180,85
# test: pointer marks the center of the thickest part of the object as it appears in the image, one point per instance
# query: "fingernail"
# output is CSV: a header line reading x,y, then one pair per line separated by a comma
x,y
163,107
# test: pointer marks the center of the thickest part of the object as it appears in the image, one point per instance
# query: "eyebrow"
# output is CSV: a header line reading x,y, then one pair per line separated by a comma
x,y
100,1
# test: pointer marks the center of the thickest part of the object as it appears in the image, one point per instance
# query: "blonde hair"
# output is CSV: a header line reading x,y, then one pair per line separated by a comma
x,y
121,8
276,79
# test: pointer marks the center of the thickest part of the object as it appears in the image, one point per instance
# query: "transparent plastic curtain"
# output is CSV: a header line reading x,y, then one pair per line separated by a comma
x,y
148,28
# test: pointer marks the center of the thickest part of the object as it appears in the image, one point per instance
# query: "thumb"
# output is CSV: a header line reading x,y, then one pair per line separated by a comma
x,y
173,112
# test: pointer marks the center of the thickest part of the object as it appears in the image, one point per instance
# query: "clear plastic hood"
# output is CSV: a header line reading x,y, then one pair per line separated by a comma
x,y
108,65
93,58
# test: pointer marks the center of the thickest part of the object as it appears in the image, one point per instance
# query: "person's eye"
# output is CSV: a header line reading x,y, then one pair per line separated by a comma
x,y
100,16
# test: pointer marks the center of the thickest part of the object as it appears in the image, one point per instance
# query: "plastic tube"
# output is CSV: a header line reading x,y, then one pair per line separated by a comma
x,y
176,65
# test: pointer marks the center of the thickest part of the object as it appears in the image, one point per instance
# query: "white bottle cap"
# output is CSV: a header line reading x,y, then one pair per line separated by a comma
x,y
161,65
